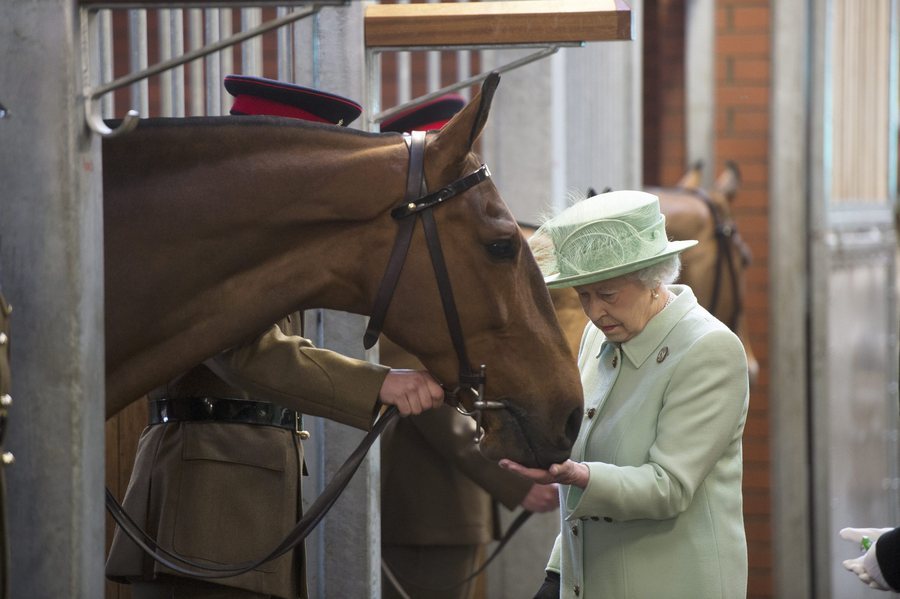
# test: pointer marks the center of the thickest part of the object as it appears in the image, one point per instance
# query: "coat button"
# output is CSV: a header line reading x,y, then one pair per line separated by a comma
x,y
591,412
577,590
607,519
615,361
304,435
575,530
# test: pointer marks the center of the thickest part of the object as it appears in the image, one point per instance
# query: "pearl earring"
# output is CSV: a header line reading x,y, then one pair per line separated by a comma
x,y
654,294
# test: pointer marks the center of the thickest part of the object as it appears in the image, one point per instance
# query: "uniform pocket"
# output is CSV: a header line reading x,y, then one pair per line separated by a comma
x,y
236,498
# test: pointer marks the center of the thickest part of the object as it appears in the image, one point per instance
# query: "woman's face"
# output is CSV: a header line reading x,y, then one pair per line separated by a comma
x,y
619,307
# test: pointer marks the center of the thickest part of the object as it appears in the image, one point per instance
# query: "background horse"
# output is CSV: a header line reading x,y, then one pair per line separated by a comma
x,y
216,228
715,268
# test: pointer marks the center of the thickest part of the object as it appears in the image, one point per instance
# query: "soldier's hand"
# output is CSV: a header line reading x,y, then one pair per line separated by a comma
x,y
541,498
411,391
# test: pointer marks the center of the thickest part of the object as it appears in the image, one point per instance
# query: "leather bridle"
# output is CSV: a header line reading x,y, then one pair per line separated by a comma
x,y
727,238
419,204
470,381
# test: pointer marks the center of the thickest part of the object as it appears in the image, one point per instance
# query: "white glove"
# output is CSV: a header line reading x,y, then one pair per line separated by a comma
x,y
866,565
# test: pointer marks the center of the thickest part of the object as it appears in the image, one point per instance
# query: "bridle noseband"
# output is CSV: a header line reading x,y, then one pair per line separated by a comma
x,y
417,204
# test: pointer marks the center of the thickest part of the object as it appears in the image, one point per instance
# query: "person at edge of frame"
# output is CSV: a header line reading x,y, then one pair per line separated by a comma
x,y
878,567
440,497
651,498
217,472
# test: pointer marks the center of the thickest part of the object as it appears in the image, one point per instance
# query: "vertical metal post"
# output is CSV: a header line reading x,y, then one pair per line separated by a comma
x,y
789,159
195,68
213,63
699,85
344,556
137,45
51,248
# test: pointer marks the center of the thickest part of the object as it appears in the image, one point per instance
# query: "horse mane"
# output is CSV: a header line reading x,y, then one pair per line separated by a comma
x,y
248,121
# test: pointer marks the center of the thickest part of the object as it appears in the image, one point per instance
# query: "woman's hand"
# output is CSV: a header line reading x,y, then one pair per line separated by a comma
x,y
567,473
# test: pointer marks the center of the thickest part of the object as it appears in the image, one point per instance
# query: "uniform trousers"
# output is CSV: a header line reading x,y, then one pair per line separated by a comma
x,y
426,571
174,587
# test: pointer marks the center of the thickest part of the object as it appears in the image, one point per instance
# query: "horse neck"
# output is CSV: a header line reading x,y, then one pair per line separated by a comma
x,y
303,205
215,232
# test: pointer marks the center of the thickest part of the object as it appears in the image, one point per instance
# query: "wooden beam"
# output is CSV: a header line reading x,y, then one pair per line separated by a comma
x,y
510,22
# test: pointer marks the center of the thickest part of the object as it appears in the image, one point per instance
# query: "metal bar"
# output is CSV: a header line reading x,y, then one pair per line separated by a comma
x,y
547,51
454,47
195,69
226,60
251,51
285,50
137,45
212,62
200,53
197,4
105,37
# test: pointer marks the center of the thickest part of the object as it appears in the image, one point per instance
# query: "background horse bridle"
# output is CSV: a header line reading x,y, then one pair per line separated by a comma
x,y
727,238
470,381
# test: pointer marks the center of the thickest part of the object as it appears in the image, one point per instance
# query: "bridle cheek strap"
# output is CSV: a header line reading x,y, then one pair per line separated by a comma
x,y
416,205
414,184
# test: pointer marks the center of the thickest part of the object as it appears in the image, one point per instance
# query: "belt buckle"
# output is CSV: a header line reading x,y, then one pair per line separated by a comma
x,y
298,427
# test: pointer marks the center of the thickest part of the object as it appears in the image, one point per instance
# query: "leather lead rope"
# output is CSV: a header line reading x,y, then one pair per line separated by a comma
x,y
513,527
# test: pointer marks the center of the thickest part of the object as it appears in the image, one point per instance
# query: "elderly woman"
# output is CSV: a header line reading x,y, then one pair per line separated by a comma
x,y
650,501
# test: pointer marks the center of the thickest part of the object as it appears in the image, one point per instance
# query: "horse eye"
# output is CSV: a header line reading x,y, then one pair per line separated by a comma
x,y
504,249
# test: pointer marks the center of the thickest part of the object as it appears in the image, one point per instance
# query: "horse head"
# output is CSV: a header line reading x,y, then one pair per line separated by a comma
x,y
506,315
215,228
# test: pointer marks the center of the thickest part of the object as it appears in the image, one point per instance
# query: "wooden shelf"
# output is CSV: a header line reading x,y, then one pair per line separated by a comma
x,y
509,22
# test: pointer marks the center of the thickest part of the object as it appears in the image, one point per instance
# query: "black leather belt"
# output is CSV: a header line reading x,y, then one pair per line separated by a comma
x,y
221,409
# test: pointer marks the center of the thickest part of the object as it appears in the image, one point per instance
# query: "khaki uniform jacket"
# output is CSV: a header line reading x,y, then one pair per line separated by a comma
x,y
224,493
661,515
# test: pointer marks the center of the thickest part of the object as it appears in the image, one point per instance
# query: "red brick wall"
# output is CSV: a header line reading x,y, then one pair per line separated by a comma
x,y
742,118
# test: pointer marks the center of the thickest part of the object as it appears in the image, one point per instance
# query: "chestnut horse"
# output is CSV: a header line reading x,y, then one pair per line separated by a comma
x,y
217,227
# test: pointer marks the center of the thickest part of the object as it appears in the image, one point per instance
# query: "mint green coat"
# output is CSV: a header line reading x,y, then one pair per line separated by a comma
x,y
661,516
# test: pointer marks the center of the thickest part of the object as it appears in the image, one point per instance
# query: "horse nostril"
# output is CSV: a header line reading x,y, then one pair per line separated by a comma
x,y
573,424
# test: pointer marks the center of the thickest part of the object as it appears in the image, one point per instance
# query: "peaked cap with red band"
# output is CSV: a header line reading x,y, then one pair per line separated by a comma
x,y
428,116
260,96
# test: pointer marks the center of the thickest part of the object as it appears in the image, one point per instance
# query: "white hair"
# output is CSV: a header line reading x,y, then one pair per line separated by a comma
x,y
661,273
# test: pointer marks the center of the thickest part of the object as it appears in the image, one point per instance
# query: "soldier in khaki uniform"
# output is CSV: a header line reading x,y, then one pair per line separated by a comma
x,y
217,473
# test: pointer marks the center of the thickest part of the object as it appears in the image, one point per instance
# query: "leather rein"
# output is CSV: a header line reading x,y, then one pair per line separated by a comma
x,y
470,381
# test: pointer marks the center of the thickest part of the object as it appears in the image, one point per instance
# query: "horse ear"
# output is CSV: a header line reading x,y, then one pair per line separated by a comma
x,y
458,136
691,179
728,182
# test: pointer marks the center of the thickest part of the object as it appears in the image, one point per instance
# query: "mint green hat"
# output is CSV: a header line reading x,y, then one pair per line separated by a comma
x,y
603,237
